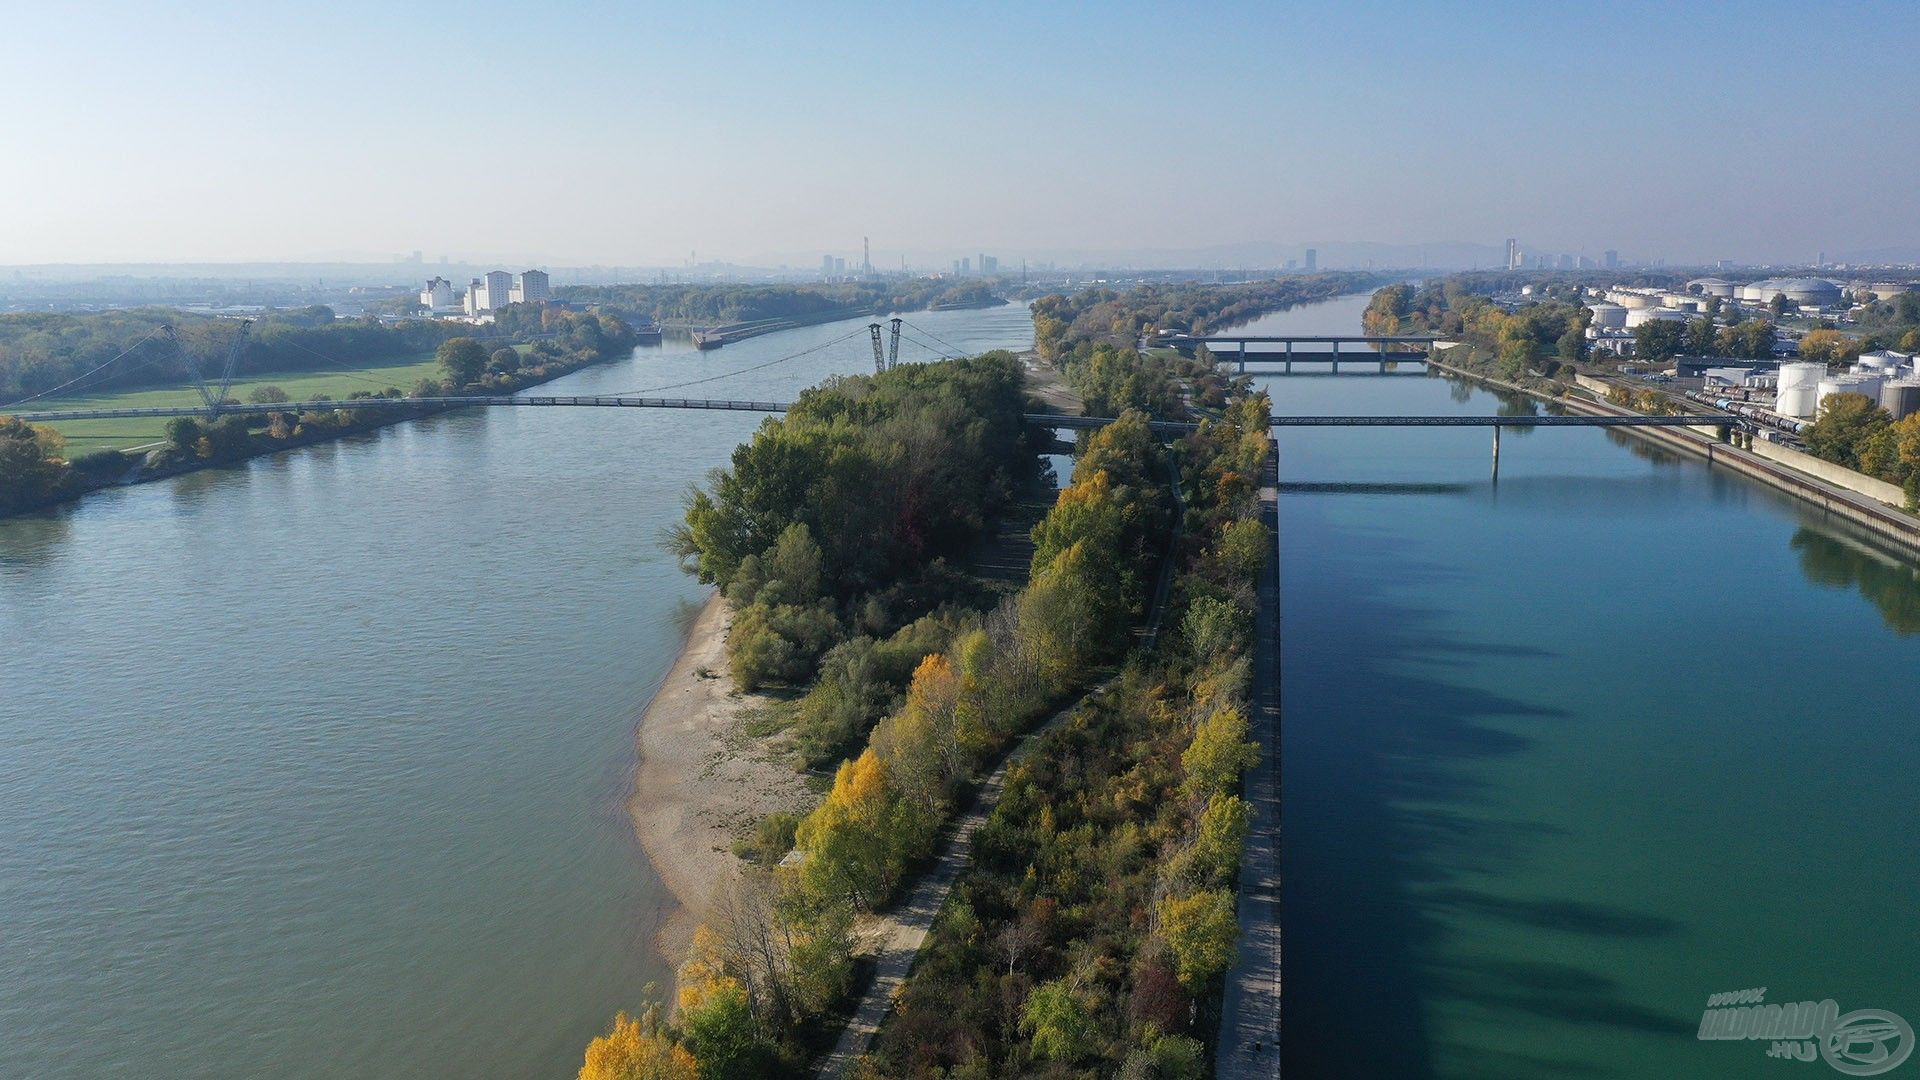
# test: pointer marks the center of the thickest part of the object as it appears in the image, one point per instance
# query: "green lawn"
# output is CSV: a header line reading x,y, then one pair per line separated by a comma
x,y
85,436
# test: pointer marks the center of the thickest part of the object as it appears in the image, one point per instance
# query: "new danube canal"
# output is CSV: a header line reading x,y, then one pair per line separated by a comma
x,y
317,766
1533,816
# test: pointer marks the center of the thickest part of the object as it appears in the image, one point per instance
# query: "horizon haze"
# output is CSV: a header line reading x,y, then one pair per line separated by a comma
x,y
596,136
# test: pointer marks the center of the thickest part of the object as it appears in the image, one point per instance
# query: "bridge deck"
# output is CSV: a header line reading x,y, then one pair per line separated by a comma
x,y
718,405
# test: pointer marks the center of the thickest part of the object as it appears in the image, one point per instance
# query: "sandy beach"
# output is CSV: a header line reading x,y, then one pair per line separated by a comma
x,y
702,782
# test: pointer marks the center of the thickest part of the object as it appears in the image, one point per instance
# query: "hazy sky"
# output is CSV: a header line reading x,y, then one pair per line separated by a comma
x,y
570,133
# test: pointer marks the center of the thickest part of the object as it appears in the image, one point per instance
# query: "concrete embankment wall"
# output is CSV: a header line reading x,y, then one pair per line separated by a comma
x,y
1878,490
1841,500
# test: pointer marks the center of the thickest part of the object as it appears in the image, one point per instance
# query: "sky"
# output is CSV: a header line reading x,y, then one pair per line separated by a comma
x,y
638,134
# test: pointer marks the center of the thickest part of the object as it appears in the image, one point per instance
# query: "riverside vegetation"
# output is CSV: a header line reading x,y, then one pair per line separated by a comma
x,y
34,470
1543,345
829,534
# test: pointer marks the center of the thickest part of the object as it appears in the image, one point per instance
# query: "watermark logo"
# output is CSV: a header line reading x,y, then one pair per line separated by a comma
x,y
1865,1042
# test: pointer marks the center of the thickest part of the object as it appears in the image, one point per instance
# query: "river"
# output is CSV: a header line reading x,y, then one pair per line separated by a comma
x,y
317,765
1564,755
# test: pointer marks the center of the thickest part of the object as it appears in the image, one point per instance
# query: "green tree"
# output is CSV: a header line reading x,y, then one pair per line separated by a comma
x,y
267,395
1059,1021
722,1037
183,432
1219,753
463,359
31,466
1201,932
1700,337
1658,340
503,361
1848,424
1752,339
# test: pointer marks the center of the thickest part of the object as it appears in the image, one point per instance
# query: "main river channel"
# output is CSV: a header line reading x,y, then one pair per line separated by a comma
x,y
317,766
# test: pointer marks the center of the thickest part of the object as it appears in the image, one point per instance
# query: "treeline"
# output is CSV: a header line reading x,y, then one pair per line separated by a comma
x,y
1549,336
33,471
719,304
1090,933
1855,431
831,528
1063,324
777,953
42,351
1092,336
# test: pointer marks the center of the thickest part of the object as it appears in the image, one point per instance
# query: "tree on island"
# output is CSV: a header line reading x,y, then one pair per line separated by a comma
x,y
463,359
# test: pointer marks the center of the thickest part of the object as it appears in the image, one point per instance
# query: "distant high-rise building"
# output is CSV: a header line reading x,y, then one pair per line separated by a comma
x,y
1612,259
1822,260
438,295
1313,260
1291,263
530,287
839,267
1513,253
826,266
866,258
966,267
1566,262
989,264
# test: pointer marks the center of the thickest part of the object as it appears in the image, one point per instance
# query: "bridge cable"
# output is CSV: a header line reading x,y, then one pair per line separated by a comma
x,y
88,374
958,351
935,350
742,371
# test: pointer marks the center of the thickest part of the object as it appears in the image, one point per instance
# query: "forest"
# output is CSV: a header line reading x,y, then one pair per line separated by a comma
x,y
34,471
721,304
41,351
1092,929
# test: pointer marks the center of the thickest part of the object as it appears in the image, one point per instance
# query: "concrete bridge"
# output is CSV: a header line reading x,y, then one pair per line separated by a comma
x,y
621,401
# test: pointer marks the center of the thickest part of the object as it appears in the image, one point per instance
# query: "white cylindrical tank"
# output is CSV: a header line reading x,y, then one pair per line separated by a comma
x,y
1868,385
1901,397
1799,389
1870,364
1631,300
1636,316
1611,316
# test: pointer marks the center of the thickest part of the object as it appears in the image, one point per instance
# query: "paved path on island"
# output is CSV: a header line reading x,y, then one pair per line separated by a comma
x,y
904,929
1249,1043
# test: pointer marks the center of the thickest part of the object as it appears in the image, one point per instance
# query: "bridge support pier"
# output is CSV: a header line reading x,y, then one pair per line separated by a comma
x,y
1496,454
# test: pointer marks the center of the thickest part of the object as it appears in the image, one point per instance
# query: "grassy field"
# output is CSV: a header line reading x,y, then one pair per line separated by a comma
x,y
85,436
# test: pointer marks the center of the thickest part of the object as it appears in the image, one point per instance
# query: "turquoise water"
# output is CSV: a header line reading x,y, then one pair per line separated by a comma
x,y
317,766
1564,755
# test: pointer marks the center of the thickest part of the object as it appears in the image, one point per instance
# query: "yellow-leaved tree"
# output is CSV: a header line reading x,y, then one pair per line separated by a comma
x,y
636,1049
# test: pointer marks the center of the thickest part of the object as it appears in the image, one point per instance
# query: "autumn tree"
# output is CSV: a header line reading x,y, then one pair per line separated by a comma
x,y
32,465
637,1050
1201,931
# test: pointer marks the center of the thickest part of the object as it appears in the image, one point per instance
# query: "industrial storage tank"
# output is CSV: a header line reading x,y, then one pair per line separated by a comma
x,y
1901,397
1712,286
1632,301
1868,385
1810,292
1799,389
1654,314
1611,316
1871,363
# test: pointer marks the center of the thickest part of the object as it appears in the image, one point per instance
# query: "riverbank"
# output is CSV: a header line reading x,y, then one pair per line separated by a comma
x,y
87,476
1877,518
702,782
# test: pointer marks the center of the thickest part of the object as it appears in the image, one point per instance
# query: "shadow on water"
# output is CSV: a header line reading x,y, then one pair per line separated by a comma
x,y
1381,733
1887,581
1366,488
